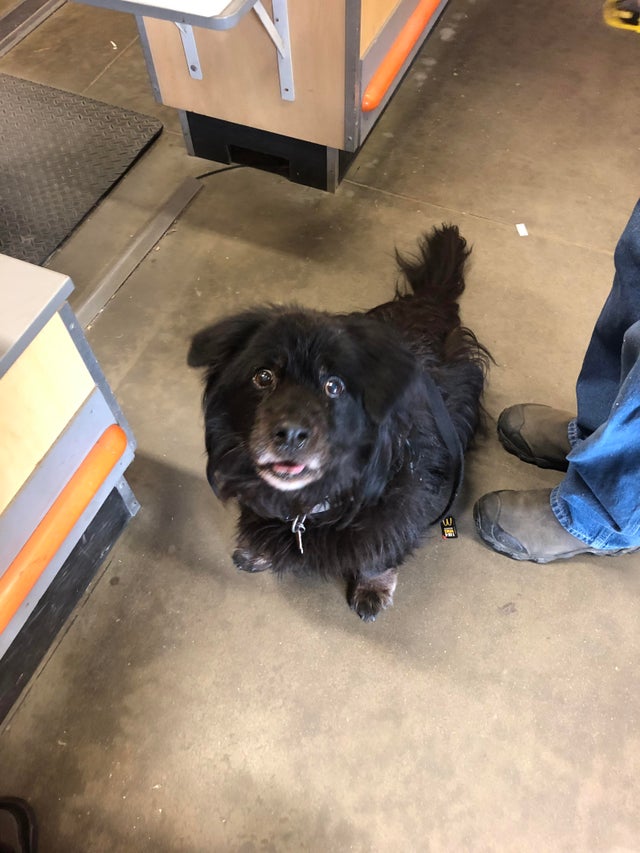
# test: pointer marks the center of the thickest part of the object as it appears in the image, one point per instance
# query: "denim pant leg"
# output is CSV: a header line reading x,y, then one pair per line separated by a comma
x,y
598,501
600,378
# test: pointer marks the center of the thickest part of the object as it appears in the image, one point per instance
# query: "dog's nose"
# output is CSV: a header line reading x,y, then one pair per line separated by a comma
x,y
290,436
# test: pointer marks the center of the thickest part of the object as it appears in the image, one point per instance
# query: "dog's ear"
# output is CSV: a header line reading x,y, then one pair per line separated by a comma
x,y
380,366
214,346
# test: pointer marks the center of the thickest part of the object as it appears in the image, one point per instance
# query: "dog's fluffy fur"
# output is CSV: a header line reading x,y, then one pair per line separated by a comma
x,y
327,420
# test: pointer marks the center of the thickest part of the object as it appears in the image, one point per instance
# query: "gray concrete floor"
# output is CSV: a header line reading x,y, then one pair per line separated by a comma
x,y
188,707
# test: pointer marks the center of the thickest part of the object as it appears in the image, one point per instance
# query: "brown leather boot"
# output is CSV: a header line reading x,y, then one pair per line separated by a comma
x,y
523,526
536,434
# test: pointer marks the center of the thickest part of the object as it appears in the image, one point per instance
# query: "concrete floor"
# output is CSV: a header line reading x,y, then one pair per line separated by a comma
x,y
188,707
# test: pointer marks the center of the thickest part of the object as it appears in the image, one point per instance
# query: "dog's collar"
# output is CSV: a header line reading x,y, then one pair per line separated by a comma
x,y
297,526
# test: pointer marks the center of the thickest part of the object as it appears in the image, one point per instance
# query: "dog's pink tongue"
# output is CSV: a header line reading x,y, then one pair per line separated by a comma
x,y
284,468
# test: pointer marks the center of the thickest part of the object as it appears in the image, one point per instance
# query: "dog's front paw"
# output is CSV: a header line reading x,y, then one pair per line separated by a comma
x,y
368,596
367,603
246,561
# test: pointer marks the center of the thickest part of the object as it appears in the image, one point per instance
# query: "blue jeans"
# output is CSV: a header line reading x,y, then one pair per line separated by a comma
x,y
598,501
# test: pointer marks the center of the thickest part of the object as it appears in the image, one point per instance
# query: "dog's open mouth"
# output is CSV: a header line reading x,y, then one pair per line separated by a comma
x,y
286,475
287,469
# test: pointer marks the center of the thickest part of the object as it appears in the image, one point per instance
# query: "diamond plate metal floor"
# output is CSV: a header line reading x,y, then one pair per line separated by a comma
x,y
61,153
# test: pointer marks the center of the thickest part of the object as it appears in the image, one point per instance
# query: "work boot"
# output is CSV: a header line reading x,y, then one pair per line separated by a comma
x,y
536,434
522,525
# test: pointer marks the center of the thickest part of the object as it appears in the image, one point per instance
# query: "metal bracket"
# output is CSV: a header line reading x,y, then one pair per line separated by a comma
x,y
278,31
190,50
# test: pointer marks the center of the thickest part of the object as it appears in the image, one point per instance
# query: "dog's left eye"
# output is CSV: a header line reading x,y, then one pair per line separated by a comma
x,y
264,378
334,386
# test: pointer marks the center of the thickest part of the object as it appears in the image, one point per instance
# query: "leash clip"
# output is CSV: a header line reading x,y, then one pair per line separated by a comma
x,y
298,528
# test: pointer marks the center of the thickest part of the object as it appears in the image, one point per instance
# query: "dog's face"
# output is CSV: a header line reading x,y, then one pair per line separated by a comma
x,y
296,398
290,442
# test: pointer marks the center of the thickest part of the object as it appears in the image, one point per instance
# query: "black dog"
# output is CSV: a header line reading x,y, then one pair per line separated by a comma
x,y
341,436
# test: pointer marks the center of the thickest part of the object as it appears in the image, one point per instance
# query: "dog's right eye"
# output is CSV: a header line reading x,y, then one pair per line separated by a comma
x,y
264,378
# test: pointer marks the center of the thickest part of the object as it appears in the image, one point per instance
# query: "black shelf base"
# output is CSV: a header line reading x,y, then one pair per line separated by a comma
x,y
300,162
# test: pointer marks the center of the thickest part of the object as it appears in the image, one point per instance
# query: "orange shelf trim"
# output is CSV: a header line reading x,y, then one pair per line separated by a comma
x,y
398,52
21,576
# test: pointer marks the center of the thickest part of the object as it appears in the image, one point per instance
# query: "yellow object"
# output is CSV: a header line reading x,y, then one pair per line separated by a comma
x,y
614,16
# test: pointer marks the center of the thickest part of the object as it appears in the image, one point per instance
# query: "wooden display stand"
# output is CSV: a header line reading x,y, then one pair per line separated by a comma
x,y
64,446
302,100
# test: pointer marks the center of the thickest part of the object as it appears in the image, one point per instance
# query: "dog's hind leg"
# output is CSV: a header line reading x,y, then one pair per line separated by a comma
x,y
368,595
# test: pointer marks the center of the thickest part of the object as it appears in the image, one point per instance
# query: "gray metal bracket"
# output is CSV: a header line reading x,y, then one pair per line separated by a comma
x,y
190,50
277,30
210,16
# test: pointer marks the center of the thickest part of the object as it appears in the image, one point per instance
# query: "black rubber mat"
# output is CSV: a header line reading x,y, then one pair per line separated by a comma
x,y
60,154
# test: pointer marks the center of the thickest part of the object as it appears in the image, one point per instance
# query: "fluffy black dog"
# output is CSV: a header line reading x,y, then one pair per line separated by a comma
x,y
341,436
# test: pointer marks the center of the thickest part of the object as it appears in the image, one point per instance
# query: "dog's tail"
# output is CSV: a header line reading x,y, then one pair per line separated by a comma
x,y
437,272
